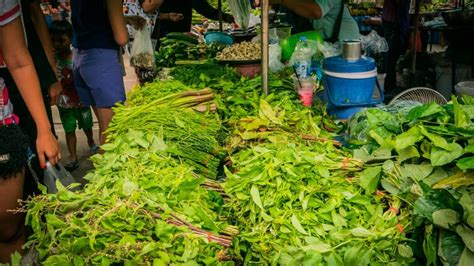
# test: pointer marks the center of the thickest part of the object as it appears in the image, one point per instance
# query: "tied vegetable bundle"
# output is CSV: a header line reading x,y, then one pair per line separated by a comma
x,y
194,136
140,207
424,155
300,205
172,94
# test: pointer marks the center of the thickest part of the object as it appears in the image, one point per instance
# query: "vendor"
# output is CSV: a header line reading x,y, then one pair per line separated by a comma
x,y
325,16
185,9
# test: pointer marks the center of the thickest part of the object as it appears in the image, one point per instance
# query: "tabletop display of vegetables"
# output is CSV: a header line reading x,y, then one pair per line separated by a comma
x,y
141,207
425,156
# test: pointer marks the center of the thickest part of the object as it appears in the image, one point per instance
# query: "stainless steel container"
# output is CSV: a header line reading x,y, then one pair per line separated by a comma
x,y
351,50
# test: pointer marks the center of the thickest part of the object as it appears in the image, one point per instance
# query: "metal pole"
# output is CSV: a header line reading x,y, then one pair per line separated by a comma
x,y
265,47
219,9
415,35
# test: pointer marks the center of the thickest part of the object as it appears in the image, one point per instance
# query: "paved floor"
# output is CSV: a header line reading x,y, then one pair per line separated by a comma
x,y
85,165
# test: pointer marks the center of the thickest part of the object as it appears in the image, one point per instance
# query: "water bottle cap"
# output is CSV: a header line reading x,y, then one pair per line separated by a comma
x,y
303,38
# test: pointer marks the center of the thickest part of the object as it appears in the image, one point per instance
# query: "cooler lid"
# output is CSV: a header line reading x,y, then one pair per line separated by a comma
x,y
338,64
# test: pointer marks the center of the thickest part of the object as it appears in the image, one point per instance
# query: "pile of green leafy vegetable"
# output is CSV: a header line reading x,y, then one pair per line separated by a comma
x,y
173,50
298,204
206,75
425,156
195,136
140,207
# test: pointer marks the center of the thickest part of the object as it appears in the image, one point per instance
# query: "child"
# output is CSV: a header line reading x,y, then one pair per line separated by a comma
x,y
13,143
71,111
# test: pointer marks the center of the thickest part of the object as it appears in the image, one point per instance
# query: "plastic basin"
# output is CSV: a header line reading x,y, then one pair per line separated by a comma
x,y
465,88
218,37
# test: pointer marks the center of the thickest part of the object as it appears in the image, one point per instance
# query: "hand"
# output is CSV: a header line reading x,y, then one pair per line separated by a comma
x,y
54,92
228,18
136,22
176,17
48,148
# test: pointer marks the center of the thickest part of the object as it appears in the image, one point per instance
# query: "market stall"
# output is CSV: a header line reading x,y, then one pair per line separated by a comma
x,y
215,164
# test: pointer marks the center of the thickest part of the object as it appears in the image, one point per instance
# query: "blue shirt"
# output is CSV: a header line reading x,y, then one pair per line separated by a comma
x,y
91,26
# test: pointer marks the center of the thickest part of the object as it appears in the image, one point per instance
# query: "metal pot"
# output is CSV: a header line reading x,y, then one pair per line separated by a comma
x,y
351,50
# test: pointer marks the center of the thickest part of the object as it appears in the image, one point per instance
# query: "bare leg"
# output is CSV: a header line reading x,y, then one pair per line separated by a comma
x,y
71,141
12,231
90,137
105,116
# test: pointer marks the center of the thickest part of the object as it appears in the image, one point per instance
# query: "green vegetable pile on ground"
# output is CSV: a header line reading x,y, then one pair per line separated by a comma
x,y
194,135
141,207
298,204
425,156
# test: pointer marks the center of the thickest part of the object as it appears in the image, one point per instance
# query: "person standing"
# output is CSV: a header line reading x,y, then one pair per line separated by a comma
x,y
177,15
99,29
330,17
71,111
13,154
395,20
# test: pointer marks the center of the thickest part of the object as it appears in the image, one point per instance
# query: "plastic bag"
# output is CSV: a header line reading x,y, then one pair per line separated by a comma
x,y
142,54
329,49
241,11
374,43
57,173
275,63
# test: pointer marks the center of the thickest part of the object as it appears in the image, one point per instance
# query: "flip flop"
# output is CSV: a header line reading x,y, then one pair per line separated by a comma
x,y
94,149
72,165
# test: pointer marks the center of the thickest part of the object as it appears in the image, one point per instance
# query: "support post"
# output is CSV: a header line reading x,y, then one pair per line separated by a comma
x,y
219,9
265,45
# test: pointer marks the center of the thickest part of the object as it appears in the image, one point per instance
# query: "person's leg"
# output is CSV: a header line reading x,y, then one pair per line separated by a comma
x,y
69,120
12,231
392,35
86,124
105,116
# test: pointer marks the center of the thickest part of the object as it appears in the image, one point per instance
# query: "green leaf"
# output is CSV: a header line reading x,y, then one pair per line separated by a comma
x,y
451,247
297,225
369,179
440,157
467,202
405,251
361,232
417,171
446,218
424,111
467,258
466,163
461,118
408,138
469,149
312,258
467,236
57,260
256,196
436,140
408,153
320,248
430,245
334,260
432,201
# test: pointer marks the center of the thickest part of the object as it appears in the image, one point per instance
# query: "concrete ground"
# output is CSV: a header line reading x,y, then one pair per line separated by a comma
x,y
85,165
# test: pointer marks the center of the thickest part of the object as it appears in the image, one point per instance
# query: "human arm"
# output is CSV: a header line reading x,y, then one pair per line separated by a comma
x,y
20,66
41,29
151,5
205,9
306,8
171,16
117,21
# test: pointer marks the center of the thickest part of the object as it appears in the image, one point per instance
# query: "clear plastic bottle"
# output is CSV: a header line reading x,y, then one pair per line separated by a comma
x,y
302,58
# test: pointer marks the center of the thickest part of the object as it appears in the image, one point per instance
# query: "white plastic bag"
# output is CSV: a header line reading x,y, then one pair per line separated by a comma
x,y
241,11
142,54
52,174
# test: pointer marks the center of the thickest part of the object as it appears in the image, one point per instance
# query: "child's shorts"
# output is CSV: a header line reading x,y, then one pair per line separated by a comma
x,y
73,117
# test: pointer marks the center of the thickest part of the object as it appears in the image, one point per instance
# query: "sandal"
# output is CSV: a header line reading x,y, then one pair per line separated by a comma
x,y
94,149
72,165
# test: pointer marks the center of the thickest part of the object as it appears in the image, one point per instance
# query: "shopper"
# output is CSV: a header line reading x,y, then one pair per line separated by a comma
x,y
177,15
99,30
41,51
72,113
13,144
395,19
330,17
